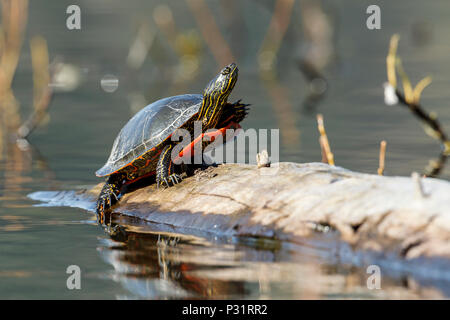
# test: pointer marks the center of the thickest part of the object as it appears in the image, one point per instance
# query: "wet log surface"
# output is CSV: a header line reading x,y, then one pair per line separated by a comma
x,y
401,215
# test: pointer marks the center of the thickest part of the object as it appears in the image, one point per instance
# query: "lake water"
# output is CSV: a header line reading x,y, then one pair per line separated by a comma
x,y
37,243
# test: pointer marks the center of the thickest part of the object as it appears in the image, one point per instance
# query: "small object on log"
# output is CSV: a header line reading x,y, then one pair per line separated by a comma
x,y
262,159
327,155
418,184
382,157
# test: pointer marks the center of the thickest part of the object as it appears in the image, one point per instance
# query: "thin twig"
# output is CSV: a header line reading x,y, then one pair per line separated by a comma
x,y
276,31
323,140
382,157
42,92
267,55
411,99
211,32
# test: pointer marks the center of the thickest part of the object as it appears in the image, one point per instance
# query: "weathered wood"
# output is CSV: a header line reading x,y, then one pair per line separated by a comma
x,y
410,217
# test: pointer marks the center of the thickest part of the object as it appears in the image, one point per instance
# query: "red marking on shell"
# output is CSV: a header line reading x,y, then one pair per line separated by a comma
x,y
141,177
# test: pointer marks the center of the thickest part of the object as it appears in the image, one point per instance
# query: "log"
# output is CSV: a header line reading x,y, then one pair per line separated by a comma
x,y
407,216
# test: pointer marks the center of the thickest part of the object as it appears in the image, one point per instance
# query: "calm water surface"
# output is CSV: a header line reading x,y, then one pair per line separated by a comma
x,y
38,243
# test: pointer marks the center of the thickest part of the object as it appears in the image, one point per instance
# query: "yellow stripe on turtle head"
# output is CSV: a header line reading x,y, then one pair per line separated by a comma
x,y
216,94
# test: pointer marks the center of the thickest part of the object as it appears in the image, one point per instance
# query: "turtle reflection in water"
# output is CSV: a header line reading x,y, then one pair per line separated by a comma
x,y
143,146
155,265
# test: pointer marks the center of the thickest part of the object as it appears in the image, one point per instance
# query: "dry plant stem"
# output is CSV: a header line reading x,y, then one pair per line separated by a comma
x,y
434,124
391,60
14,14
318,49
411,98
310,71
322,150
166,24
278,25
14,20
42,92
267,57
325,146
436,166
382,157
211,33
37,116
276,31
418,111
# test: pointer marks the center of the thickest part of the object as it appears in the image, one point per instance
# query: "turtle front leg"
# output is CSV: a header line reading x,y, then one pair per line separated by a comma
x,y
109,195
165,173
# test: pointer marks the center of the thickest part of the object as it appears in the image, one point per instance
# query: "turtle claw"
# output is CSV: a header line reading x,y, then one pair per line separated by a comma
x,y
108,197
171,180
175,178
115,197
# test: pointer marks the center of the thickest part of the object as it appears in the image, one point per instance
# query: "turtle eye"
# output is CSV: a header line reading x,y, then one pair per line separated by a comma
x,y
226,70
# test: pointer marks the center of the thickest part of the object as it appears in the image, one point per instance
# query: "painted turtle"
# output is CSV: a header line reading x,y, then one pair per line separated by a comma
x,y
143,146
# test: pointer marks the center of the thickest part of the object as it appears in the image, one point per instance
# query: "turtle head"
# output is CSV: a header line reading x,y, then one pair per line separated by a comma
x,y
216,94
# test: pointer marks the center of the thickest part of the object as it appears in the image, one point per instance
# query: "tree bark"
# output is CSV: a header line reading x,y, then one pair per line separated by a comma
x,y
288,201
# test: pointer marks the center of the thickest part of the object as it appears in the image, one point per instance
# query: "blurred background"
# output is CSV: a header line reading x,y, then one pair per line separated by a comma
x,y
65,94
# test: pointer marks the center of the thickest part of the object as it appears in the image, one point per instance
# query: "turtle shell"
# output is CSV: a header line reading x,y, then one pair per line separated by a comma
x,y
148,128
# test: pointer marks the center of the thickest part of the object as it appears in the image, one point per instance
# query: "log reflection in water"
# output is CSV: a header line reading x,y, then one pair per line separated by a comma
x,y
152,262
164,265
